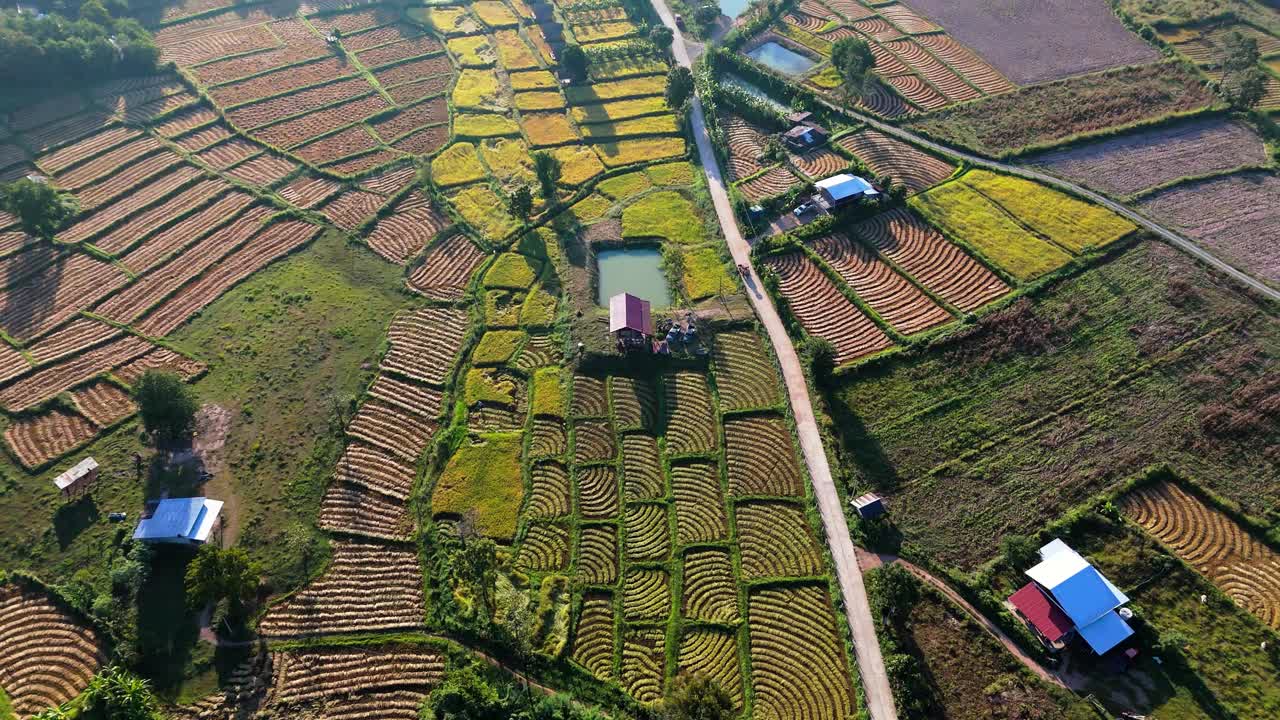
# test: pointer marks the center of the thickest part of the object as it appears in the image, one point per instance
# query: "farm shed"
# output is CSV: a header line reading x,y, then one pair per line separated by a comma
x,y
180,521
630,321
840,189
77,479
869,506
1067,594
805,136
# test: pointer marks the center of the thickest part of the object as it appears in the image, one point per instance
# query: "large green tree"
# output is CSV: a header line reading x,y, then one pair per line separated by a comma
x,y
852,58
696,697
1243,83
38,206
215,574
679,86
574,61
547,169
166,403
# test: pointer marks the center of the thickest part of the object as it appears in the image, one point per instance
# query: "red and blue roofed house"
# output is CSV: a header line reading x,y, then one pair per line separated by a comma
x,y
630,321
1068,595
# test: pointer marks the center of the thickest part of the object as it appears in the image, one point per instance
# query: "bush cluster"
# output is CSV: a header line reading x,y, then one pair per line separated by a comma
x,y
50,51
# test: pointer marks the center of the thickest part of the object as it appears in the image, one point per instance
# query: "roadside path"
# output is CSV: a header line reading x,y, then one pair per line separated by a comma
x,y
869,560
875,682
1173,238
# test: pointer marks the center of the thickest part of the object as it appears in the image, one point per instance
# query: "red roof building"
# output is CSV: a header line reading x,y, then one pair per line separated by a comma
x,y
628,312
1041,613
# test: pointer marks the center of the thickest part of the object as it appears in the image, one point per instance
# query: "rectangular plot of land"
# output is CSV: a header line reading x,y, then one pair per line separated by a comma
x,y
699,502
688,424
903,305
1136,161
823,311
424,344
798,663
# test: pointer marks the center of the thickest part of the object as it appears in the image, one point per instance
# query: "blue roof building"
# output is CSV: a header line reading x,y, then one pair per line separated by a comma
x,y
180,521
1083,594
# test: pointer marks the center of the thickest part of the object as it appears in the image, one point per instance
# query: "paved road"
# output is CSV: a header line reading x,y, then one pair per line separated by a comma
x,y
875,681
1166,234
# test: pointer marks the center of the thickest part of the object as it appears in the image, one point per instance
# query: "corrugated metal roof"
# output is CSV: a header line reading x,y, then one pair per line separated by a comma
x,y
844,186
629,312
180,519
1106,632
1079,589
1036,607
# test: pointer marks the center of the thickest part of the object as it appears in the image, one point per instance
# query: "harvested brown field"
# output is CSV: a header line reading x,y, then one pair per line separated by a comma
x,y
973,68
103,403
131,200
819,164
379,36
390,182
420,400
264,170
424,344
1237,217
407,230
186,121
12,363
1046,114
300,45
409,92
446,269
877,29
376,469
350,209
403,50
128,179
431,112
225,154
219,45
774,181
71,339
905,163
46,111
49,380
160,358
202,138
297,131
341,144
37,439
364,163
148,111
333,674
50,656
78,152
53,296
122,236
936,264
356,20
66,130
823,311
1143,159
88,227
917,91
391,428
280,81
307,191
352,510
951,85
268,111
893,297
159,247
413,70
746,143
368,587
269,245
906,20
1041,41
424,142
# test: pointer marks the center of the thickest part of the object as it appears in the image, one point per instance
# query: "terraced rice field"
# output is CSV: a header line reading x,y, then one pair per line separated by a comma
x,y
424,344
823,311
699,503
799,668
914,168
327,675
1247,570
746,143
635,403
49,655
760,457
688,422
446,268
352,509
545,548
774,181
776,540
745,374
903,305
413,222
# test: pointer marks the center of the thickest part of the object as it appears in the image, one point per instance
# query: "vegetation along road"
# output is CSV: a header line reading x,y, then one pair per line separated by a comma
x,y
875,681
1166,234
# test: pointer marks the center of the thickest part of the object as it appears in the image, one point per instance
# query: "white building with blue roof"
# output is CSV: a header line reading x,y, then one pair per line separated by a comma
x,y
180,521
1081,592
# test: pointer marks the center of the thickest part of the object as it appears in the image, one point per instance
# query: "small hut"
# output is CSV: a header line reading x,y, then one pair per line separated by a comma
x,y
76,481
630,322
869,506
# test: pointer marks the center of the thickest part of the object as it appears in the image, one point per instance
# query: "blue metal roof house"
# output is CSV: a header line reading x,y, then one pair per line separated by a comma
x,y
180,521
1084,594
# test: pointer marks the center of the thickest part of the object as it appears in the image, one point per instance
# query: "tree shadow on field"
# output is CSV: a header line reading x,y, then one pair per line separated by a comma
x,y
73,518
862,447
31,288
167,629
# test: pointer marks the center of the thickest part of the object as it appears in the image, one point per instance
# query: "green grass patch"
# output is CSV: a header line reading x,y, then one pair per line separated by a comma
x,y
805,38
458,164
1071,223
482,483
705,274
616,90
512,271
483,125
548,395
671,174
666,214
828,78
481,207
620,110
621,187
967,216
6,709
638,127
539,309
497,346
487,386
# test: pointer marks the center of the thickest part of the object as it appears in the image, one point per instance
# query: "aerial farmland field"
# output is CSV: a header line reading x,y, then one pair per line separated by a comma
x,y
390,361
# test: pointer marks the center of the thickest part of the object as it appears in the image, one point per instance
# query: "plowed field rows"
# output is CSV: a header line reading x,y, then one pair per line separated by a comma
x,y
413,70
713,653
424,344
390,182
635,403
226,154
589,397
297,48
375,469
549,492
887,63
391,428
745,375
350,107
35,440
71,339
935,263
423,142
103,403
689,424
545,548
263,171
403,234
130,178
880,99
804,21
430,112
419,400
446,269
279,82
907,20
973,68
710,592
413,91
338,145
761,457
49,656
54,295
646,595
350,209
774,181
820,164
78,152
219,45
642,468
746,143
597,492
87,227
158,247
644,658
351,509
549,438
186,121
699,503
598,554
122,236
897,301
128,305
913,168
267,246
363,163
593,636
67,130
1247,570
776,540
12,363
878,29
378,36
942,77
798,665
823,311
403,50
647,534
340,601
160,358
309,191
593,442
302,676
204,137
917,91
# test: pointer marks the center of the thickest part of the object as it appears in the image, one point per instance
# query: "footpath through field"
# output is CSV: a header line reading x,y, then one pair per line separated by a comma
x,y
875,682
1166,234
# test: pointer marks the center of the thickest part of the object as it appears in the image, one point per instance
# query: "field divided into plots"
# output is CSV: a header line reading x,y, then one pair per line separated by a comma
x,y
50,655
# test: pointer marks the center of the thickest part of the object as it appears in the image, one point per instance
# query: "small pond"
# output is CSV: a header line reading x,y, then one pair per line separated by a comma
x,y
733,8
784,60
633,270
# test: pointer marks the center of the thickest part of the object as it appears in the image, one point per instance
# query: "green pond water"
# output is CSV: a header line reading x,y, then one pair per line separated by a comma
x,y
782,59
632,270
